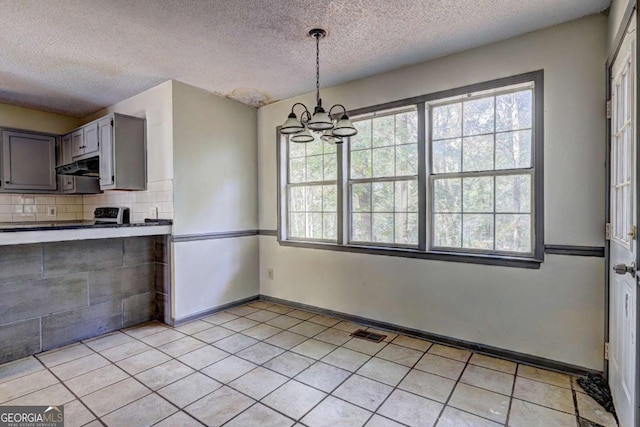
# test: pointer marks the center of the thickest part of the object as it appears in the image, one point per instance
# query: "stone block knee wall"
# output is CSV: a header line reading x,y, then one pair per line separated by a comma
x,y
54,294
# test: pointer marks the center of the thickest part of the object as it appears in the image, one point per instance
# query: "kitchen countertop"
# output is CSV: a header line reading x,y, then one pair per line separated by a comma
x,y
16,233
69,225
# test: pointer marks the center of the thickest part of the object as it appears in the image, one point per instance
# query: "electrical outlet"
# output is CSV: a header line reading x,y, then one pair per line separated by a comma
x,y
270,273
52,210
153,212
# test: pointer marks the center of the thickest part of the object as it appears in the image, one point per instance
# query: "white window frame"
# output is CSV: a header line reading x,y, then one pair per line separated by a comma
x,y
394,178
290,185
530,171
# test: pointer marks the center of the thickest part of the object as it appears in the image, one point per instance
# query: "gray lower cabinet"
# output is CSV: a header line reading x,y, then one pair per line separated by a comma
x,y
28,161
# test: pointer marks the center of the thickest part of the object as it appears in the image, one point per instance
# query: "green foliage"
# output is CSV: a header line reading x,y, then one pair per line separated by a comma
x,y
477,194
513,193
477,231
385,212
446,121
385,146
513,150
362,140
470,200
478,153
477,116
447,195
447,230
446,156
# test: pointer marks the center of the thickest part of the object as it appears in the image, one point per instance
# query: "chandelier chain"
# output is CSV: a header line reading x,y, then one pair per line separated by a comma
x,y
317,37
320,122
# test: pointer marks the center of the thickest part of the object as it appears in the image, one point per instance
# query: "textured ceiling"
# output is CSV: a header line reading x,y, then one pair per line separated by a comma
x,y
77,56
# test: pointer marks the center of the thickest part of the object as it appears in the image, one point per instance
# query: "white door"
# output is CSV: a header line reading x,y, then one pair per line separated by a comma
x,y
622,292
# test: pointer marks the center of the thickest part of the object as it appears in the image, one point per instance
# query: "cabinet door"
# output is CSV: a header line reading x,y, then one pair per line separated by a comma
x,y
105,136
66,150
91,138
77,138
28,161
67,183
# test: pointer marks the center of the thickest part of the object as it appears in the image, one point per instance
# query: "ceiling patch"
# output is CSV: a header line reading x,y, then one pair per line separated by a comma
x,y
250,96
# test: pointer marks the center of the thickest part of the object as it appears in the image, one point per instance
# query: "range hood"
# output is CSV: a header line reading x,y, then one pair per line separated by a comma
x,y
85,167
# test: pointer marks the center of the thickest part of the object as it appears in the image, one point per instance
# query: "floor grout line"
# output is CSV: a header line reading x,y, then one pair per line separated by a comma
x,y
284,351
199,371
73,394
513,389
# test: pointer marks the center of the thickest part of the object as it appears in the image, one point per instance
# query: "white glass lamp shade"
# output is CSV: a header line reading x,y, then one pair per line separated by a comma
x,y
320,120
329,137
344,127
291,125
304,136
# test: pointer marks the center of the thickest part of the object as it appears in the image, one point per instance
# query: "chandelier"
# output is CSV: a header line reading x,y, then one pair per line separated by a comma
x,y
320,122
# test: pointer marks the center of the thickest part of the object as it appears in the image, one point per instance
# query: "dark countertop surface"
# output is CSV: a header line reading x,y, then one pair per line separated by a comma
x,y
70,225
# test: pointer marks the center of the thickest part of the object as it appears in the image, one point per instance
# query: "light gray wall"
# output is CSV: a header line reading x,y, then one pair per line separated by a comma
x,y
215,190
555,312
155,106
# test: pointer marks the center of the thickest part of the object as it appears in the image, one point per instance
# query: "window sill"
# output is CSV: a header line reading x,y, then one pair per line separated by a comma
x,y
483,259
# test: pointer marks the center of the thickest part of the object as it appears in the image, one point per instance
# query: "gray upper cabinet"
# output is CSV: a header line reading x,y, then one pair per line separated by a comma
x,y
107,171
77,138
85,141
66,150
123,152
28,161
73,184
91,139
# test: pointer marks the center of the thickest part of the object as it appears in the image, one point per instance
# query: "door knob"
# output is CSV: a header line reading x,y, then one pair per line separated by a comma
x,y
624,269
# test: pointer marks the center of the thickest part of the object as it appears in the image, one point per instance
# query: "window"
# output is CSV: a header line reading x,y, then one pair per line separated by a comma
x,y
621,155
481,173
383,179
312,191
455,175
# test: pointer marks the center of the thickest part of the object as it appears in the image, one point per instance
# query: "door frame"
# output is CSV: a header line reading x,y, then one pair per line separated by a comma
x,y
630,12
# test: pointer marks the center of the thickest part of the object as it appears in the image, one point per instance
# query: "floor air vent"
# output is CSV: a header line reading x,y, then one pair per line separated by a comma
x,y
369,336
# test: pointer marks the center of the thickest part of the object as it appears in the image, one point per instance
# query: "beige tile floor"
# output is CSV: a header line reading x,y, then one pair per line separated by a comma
x,y
263,364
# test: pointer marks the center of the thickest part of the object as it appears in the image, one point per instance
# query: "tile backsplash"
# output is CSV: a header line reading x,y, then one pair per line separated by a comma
x,y
155,202
30,207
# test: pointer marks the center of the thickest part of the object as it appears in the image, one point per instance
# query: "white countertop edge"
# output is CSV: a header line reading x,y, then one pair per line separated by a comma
x,y
24,237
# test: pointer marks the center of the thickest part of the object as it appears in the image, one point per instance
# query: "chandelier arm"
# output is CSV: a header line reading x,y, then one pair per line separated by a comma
x,y
305,116
299,103
344,110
